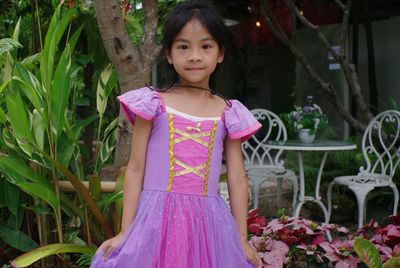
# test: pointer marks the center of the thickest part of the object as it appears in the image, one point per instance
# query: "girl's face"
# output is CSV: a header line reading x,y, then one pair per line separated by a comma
x,y
195,54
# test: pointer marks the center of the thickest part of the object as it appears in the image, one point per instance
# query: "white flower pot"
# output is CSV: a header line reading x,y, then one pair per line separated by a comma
x,y
305,136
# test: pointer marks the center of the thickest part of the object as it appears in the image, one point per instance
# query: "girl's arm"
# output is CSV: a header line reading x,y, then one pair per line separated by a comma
x,y
134,174
237,185
238,195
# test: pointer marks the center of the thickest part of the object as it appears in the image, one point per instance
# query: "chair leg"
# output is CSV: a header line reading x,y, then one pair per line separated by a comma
x,y
396,198
295,186
361,194
329,199
256,190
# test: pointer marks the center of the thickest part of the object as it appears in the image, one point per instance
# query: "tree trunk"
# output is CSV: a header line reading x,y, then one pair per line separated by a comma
x,y
349,70
132,63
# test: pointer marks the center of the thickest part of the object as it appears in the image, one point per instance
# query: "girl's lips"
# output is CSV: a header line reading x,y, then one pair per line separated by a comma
x,y
194,69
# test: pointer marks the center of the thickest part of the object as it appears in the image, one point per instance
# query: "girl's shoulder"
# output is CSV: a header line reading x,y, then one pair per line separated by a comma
x,y
144,102
239,121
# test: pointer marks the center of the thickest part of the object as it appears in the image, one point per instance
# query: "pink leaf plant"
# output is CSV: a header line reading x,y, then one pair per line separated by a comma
x,y
293,242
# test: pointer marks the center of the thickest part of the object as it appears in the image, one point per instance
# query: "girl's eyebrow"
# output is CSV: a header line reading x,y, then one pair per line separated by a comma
x,y
208,38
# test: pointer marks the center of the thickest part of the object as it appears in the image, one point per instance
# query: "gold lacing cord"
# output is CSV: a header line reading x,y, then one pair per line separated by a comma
x,y
210,148
171,152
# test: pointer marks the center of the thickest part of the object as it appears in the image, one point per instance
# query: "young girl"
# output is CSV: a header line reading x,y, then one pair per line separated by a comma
x,y
173,215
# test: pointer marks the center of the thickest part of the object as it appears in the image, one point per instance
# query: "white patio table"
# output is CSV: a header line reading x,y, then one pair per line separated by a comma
x,y
325,146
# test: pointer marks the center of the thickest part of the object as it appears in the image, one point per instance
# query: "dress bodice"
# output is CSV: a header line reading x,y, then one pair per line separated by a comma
x,y
185,155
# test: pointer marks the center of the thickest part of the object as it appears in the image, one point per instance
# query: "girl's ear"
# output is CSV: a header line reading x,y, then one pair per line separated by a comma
x,y
169,58
221,55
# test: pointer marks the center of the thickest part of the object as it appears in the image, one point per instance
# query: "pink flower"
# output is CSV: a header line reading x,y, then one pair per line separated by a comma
x,y
275,254
255,223
340,253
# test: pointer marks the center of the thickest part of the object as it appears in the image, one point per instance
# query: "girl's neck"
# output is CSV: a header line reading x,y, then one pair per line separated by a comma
x,y
193,89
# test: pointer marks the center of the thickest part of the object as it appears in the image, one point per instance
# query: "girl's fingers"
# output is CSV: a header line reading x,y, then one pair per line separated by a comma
x,y
107,252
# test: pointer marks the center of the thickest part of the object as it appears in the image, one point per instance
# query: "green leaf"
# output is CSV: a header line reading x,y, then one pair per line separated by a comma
x,y
19,119
29,85
367,252
16,239
19,172
7,45
43,252
38,129
55,31
3,117
107,81
40,192
60,92
393,262
11,196
107,145
109,199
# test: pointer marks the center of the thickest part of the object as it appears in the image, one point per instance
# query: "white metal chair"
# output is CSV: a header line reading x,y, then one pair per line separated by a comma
x,y
381,149
262,163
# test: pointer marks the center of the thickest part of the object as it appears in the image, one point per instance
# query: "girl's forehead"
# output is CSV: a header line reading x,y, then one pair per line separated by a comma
x,y
194,30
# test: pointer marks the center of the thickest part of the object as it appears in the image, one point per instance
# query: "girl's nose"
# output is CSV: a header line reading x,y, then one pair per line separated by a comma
x,y
194,55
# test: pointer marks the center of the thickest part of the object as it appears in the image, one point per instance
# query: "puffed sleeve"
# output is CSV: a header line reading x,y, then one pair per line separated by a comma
x,y
240,122
142,102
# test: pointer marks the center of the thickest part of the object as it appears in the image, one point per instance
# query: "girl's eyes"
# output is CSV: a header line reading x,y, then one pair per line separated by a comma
x,y
183,47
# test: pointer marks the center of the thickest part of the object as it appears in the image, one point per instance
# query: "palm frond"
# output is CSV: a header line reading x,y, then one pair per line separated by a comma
x,y
31,60
8,45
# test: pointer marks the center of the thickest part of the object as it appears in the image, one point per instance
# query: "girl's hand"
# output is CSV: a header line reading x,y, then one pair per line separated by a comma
x,y
252,255
110,245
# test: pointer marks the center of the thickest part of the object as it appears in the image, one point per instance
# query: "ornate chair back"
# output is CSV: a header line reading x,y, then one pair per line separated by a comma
x,y
254,151
381,147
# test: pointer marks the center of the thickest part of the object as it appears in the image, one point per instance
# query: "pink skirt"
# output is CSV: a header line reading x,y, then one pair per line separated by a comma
x,y
173,230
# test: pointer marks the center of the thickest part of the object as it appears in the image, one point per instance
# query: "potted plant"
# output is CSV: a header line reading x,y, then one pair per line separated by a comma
x,y
307,120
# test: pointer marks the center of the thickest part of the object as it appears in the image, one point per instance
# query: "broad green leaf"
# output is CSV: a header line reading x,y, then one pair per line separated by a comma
x,y
43,252
81,124
60,92
31,60
2,197
3,86
19,119
367,252
11,196
17,30
106,78
40,192
65,150
107,146
55,31
29,85
8,139
15,221
19,172
16,239
3,117
74,38
393,262
38,129
109,199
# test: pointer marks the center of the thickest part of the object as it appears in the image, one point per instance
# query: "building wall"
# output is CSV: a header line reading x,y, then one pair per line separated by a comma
x,y
386,36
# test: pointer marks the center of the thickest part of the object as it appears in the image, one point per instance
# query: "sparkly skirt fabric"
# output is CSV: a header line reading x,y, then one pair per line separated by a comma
x,y
173,230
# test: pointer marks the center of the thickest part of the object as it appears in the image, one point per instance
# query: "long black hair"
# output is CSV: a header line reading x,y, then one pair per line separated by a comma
x,y
208,17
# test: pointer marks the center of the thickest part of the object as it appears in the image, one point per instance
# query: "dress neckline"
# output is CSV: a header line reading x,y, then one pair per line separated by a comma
x,y
183,115
189,116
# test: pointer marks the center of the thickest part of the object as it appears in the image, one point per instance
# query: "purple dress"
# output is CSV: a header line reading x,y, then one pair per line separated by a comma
x,y
181,220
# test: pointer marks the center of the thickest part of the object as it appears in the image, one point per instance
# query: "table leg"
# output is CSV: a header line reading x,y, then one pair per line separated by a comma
x,y
302,197
301,178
